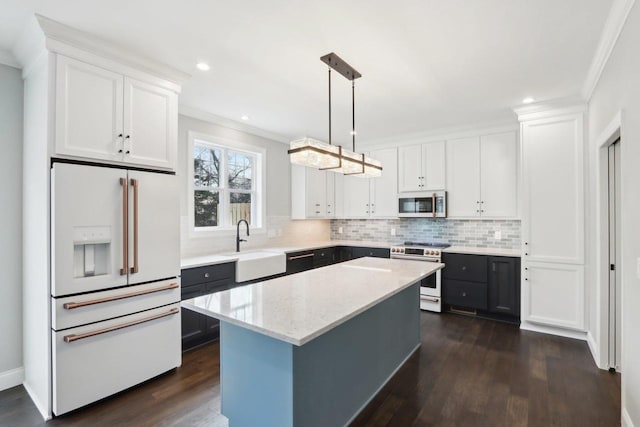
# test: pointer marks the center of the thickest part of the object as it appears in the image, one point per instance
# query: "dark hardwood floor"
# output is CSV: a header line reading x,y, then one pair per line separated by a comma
x,y
468,372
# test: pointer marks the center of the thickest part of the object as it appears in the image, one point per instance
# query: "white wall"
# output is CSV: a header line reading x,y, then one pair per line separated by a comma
x,y
10,226
619,89
278,197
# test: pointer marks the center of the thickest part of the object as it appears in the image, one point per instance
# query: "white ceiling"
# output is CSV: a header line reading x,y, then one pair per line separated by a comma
x,y
426,64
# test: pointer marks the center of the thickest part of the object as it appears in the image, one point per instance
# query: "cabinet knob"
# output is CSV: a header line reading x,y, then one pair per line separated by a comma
x,y
127,152
464,268
526,253
526,278
317,212
464,294
127,137
119,151
120,135
206,275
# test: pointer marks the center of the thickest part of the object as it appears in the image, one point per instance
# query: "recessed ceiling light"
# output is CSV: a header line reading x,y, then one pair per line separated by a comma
x,y
528,100
245,117
203,66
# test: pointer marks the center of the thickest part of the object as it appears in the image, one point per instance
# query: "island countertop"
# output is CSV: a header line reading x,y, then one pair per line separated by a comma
x,y
300,307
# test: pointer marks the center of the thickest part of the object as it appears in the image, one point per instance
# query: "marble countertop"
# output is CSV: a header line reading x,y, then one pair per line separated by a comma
x,y
300,307
200,261
482,251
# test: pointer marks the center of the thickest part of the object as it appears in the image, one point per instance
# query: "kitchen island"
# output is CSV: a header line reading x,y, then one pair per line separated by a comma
x,y
313,348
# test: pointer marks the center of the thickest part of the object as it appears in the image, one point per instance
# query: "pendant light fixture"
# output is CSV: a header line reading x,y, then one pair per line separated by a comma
x,y
317,154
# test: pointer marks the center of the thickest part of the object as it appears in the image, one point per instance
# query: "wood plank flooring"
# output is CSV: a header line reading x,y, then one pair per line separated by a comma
x,y
468,372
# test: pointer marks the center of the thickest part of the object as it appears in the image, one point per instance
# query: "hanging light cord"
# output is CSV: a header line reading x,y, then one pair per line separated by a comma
x,y
329,105
353,114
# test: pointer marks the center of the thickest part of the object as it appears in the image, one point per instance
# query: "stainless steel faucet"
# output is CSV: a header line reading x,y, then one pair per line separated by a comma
x,y
238,239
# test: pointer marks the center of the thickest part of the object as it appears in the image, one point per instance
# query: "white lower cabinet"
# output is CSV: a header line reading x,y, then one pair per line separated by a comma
x,y
554,294
95,361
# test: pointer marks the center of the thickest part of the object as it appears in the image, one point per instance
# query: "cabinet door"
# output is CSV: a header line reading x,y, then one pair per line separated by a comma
x,y
338,195
87,212
315,193
554,294
384,190
330,203
498,175
356,197
88,110
155,226
463,177
433,166
150,124
194,329
504,285
409,168
553,208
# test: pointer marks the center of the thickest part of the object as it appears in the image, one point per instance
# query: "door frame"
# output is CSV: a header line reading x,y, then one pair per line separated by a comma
x,y
598,337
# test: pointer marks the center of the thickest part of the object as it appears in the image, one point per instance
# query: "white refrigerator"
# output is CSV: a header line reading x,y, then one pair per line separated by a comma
x,y
115,292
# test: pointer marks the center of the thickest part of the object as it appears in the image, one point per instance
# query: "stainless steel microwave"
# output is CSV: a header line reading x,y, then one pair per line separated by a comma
x,y
432,205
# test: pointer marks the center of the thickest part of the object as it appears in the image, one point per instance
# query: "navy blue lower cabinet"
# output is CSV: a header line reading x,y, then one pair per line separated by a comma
x,y
359,252
504,285
198,329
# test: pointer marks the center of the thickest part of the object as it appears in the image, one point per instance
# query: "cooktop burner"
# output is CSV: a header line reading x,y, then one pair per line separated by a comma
x,y
427,245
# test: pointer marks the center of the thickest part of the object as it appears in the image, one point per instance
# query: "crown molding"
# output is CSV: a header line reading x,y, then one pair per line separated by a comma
x,y
441,134
610,34
42,33
554,107
199,114
7,58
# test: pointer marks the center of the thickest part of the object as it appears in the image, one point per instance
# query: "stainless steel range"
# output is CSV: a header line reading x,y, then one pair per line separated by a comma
x,y
430,288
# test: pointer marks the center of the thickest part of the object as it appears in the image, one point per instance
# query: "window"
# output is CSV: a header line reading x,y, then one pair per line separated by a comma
x,y
227,185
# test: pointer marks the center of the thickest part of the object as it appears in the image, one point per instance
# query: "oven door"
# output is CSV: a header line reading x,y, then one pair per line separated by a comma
x,y
430,286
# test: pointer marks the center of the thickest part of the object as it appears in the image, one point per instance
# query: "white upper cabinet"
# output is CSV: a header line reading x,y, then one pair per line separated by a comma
x,y
463,177
104,115
150,124
384,190
482,176
313,193
421,167
89,111
498,175
357,203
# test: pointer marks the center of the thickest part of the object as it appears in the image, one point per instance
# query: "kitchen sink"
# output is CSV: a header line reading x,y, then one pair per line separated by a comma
x,y
256,264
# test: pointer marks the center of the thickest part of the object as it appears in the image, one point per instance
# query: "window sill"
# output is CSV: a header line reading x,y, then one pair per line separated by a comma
x,y
226,231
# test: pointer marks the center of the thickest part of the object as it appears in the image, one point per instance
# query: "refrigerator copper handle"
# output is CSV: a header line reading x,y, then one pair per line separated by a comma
x,y
433,204
72,305
125,227
74,337
134,184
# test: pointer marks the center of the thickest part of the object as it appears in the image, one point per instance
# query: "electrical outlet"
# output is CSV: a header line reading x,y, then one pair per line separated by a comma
x,y
497,235
339,230
393,231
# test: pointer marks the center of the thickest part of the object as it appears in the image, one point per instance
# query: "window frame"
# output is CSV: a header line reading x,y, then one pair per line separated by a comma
x,y
258,191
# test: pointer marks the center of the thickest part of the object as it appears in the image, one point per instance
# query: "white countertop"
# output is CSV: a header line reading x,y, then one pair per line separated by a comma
x,y
303,306
203,260
482,251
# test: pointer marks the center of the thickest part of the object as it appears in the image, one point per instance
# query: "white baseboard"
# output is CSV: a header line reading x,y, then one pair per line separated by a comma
x,y
594,351
11,378
46,415
567,333
626,419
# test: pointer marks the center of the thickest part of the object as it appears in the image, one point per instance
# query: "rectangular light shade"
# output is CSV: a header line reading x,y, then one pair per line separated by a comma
x,y
314,154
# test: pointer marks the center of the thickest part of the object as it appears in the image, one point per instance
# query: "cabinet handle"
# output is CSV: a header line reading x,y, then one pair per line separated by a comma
x,y
291,258
317,212
120,135
127,152
74,337
72,305
127,137
119,151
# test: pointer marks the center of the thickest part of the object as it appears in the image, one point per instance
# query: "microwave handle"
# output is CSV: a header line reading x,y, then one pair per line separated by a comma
x,y
433,204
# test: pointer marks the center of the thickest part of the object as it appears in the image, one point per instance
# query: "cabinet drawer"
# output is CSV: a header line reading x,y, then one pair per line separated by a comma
x,y
322,257
299,261
70,312
208,273
472,268
98,360
359,252
465,294
200,289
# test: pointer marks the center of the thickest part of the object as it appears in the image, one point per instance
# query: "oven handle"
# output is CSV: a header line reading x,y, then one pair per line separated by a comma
x,y
430,299
74,337
415,257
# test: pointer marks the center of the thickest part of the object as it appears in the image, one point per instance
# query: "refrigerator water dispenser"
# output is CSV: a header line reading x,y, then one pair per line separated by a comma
x,y
91,251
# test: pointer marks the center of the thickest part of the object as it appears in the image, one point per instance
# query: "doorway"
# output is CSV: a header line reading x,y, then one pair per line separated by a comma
x,y
615,300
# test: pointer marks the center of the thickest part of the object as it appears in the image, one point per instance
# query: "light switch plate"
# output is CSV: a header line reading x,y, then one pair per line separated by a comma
x,y
497,235
393,231
339,230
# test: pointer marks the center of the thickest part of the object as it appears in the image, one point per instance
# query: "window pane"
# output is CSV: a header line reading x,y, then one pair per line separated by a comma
x,y
206,208
206,166
240,207
240,170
